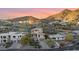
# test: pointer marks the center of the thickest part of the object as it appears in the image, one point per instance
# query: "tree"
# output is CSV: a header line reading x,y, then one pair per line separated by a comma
x,y
69,37
25,39
36,44
8,43
62,44
50,42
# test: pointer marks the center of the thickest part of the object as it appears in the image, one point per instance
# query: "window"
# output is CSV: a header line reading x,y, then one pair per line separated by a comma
x,y
58,37
38,35
53,38
9,36
4,40
14,36
20,36
62,37
1,36
4,36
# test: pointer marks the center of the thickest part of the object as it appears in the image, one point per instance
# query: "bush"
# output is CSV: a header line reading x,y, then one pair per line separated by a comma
x,y
69,37
50,43
8,44
62,44
35,44
25,40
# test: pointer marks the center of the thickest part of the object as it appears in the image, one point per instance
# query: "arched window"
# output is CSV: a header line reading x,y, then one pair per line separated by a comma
x,y
1,37
20,36
14,36
4,36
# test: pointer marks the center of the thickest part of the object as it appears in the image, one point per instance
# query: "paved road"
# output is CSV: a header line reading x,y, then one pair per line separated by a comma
x,y
44,45
19,46
57,45
2,48
15,46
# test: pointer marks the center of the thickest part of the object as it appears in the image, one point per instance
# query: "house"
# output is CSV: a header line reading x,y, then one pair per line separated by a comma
x,y
57,36
19,25
76,32
5,29
12,36
37,34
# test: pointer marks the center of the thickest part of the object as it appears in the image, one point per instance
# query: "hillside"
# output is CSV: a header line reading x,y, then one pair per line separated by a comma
x,y
30,19
65,15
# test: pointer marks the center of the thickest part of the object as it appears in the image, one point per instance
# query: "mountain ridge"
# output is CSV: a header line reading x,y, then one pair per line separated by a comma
x,y
66,14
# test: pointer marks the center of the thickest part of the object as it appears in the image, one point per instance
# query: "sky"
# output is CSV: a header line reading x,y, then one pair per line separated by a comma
x,y
36,12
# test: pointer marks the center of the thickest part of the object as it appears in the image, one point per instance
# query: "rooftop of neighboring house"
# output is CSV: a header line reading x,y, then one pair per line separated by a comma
x,y
37,29
77,31
12,33
57,35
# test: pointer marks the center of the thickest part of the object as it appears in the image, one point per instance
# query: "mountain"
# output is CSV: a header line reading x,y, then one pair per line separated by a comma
x,y
60,15
30,19
66,14
72,16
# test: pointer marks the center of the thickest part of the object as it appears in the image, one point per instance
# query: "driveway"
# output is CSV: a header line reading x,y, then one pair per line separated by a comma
x,y
44,45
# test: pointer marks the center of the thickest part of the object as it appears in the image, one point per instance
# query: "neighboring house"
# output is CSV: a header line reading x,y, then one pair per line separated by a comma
x,y
13,36
5,29
19,25
63,23
37,34
76,32
57,36
58,22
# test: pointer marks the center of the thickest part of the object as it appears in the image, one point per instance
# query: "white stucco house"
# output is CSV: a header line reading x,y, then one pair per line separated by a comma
x,y
37,34
57,37
76,32
13,36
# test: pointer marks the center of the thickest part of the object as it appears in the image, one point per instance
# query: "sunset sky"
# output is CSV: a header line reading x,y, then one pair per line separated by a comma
x,y
36,12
